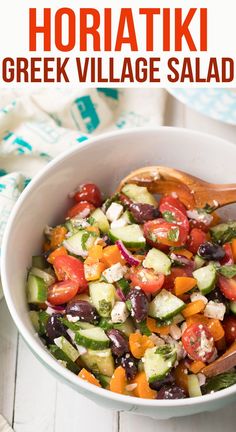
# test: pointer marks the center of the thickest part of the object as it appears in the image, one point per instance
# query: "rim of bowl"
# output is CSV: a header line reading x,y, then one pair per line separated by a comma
x,y
30,339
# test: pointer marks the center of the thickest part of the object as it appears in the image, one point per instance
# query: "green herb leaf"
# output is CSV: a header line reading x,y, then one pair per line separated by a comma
x,y
173,234
144,328
166,351
84,239
109,201
168,216
43,319
105,324
223,232
208,208
219,382
123,284
128,305
228,271
91,220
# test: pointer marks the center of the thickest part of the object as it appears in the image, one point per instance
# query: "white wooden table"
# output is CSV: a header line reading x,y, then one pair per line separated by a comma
x,y
34,401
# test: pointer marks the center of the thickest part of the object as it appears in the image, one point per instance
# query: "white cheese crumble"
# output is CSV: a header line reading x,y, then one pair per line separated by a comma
x,y
198,296
131,387
58,342
206,345
114,211
215,310
114,273
119,313
201,379
119,223
200,216
72,319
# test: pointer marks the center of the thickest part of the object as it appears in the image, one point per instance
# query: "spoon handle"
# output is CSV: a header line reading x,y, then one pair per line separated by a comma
x,y
223,364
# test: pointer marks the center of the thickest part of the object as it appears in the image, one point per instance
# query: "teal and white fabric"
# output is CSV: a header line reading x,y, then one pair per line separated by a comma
x,y
36,125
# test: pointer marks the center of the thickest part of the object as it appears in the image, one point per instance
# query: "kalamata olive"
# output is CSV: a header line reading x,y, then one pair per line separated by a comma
x,y
138,302
130,364
119,344
144,212
158,384
55,328
83,310
210,251
216,296
171,392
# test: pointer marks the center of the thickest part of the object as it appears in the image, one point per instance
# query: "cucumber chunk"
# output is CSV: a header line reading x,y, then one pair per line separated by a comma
x,y
224,232
158,362
99,361
194,389
232,306
126,327
130,235
78,325
157,261
206,278
165,305
47,276
94,338
36,289
80,242
139,194
198,262
67,348
34,317
103,297
60,355
101,220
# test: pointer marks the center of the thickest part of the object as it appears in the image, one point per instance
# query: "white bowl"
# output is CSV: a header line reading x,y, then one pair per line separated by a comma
x,y
105,160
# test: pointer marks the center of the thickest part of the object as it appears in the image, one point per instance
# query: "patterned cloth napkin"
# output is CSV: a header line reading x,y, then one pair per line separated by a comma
x,y
37,125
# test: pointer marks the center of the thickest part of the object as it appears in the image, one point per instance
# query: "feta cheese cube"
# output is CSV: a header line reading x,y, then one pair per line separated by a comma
x,y
119,313
114,211
114,273
198,296
119,223
175,332
215,310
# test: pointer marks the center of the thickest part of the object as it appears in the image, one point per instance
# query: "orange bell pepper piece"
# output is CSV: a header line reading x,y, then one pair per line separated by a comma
x,y
138,344
197,319
184,252
96,251
233,247
142,389
181,375
93,229
118,381
87,376
216,219
154,328
216,329
93,271
196,366
57,236
112,255
57,252
184,284
193,308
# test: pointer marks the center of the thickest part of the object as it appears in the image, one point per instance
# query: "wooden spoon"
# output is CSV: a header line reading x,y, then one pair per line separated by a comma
x,y
192,191
223,364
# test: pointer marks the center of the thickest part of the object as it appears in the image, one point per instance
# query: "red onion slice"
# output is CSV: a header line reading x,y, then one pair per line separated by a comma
x,y
129,258
120,294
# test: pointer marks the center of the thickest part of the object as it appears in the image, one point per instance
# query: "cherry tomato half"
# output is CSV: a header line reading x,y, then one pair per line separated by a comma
x,y
83,207
173,214
198,342
174,202
227,287
70,268
91,193
228,258
159,231
62,292
196,238
193,223
146,279
229,325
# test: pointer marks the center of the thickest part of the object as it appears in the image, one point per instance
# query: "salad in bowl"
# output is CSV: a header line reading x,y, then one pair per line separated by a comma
x,y
137,295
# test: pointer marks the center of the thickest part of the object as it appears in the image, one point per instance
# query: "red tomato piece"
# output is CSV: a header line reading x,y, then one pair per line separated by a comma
x,y
176,272
146,279
173,214
70,268
228,258
159,231
193,223
196,238
198,342
91,193
174,202
84,208
62,292
229,325
227,287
